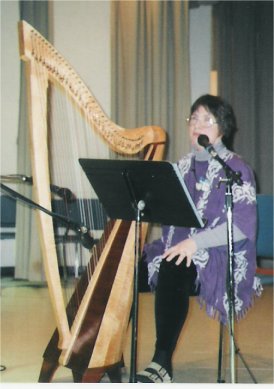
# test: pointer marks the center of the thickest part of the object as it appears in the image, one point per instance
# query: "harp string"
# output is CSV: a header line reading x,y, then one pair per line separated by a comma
x,y
71,138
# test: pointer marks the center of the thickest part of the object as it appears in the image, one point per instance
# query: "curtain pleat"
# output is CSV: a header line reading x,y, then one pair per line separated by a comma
x,y
150,68
243,57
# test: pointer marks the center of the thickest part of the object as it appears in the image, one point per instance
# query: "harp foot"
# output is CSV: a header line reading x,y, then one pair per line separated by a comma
x,y
90,375
115,374
95,375
47,371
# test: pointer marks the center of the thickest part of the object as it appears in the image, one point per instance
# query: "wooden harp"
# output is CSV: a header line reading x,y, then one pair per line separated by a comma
x,y
91,326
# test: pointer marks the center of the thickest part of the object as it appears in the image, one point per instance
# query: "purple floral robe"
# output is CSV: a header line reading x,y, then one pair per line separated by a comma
x,y
211,263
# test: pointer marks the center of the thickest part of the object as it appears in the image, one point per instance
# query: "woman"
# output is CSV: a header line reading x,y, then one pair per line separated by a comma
x,y
187,256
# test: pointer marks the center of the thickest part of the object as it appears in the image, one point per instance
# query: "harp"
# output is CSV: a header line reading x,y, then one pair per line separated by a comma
x,y
91,326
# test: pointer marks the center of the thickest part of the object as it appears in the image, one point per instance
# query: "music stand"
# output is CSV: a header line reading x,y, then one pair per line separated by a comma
x,y
149,191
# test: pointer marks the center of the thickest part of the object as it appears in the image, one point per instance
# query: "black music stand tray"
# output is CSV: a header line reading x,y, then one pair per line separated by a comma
x,y
148,191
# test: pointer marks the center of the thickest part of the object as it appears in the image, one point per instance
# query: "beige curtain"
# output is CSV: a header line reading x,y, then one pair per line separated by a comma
x,y
150,68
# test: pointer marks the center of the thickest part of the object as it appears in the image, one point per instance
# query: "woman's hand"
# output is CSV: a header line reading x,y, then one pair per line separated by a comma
x,y
185,249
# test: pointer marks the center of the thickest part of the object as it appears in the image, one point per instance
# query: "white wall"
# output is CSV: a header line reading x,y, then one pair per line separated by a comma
x,y
10,75
81,33
200,50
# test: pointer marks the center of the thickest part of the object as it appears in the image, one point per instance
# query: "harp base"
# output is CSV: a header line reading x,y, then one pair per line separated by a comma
x,y
94,375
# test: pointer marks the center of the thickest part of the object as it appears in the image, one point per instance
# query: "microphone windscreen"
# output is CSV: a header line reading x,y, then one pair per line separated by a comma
x,y
87,240
203,140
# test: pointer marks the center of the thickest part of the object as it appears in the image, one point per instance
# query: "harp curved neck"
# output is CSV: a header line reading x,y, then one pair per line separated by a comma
x,y
35,48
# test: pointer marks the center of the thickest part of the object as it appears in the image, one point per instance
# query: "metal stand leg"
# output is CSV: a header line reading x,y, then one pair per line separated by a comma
x,y
220,380
237,351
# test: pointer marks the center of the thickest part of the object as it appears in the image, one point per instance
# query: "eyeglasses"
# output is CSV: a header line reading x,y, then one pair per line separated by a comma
x,y
205,122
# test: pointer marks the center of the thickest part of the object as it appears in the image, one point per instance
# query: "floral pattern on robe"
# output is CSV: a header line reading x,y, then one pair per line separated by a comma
x,y
212,263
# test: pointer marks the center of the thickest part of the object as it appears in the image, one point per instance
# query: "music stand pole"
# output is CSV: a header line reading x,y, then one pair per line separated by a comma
x,y
137,256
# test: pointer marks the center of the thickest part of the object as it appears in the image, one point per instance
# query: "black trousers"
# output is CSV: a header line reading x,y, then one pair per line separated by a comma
x,y
175,284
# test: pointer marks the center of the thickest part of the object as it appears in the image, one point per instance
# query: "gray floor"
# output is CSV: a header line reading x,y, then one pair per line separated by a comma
x,y
27,324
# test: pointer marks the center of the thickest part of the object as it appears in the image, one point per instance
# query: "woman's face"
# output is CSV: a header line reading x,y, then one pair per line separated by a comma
x,y
203,122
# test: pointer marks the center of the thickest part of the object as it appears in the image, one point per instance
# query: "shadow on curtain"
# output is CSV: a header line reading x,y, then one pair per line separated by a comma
x,y
243,57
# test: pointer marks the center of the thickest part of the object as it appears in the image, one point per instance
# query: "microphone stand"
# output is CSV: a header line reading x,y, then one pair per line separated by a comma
x,y
231,177
63,193
85,238
230,280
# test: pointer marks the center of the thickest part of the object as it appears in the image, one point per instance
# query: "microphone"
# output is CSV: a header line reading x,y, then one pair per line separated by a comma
x,y
203,140
85,237
65,193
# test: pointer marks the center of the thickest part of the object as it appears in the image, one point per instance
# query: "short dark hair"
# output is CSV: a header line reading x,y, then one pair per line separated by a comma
x,y
221,110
